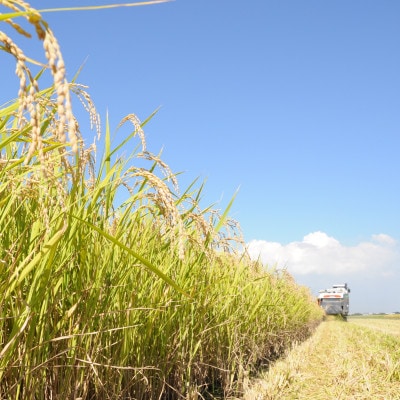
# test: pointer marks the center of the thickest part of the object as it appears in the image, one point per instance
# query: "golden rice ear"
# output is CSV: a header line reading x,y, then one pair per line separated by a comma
x,y
138,128
66,120
28,86
18,28
83,96
165,169
28,93
164,201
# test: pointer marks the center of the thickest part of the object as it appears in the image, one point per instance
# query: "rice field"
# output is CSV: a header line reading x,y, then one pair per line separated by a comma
x,y
115,282
382,323
340,361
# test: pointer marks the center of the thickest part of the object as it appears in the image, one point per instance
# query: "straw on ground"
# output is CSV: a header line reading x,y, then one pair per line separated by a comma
x,y
341,361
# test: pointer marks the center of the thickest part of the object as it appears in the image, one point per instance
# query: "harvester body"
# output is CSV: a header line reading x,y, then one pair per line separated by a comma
x,y
335,300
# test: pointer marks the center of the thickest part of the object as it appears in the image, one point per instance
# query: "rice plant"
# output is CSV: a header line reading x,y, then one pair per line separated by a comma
x,y
114,282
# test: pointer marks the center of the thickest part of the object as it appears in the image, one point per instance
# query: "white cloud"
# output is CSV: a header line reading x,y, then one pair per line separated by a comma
x,y
319,253
372,267
384,239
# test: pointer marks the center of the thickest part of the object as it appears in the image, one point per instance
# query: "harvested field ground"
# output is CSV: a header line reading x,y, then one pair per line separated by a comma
x,y
359,359
386,324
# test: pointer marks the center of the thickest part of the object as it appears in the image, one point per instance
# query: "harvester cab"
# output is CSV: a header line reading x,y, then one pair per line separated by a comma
x,y
335,300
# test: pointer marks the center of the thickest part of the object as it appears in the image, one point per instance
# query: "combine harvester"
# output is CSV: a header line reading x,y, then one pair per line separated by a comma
x,y
335,301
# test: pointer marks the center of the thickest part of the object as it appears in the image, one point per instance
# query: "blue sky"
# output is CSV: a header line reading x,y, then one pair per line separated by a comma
x,y
294,103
